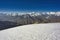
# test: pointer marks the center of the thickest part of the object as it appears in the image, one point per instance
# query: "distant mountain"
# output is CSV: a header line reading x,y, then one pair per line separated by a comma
x,y
33,16
13,19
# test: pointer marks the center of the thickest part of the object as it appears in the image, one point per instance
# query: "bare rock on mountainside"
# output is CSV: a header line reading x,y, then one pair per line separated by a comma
x,y
7,24
48,31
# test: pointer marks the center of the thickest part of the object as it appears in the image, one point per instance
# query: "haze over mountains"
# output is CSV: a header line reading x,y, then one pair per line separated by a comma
x,y
12,19
11,16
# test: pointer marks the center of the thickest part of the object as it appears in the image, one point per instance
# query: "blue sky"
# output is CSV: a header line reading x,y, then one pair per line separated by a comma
x,y
30,5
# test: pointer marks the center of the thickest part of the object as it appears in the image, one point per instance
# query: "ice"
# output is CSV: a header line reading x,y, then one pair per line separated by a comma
x,y
48,31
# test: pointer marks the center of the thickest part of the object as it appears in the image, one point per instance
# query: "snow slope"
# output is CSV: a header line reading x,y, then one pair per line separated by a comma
x,y
49,31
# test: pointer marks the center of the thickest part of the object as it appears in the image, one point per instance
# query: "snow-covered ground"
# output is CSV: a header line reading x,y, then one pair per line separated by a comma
x,y
49,31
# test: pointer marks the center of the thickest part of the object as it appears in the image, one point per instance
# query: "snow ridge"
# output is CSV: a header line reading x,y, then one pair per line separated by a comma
x,y
50,31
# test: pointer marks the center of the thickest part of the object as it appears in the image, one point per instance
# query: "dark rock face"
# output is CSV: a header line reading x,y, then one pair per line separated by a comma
x,y
7,24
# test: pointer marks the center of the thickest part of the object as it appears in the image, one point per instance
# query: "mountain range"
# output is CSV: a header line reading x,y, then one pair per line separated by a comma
x,y
8,20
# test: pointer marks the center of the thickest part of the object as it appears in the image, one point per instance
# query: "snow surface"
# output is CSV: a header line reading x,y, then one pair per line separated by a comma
x,y
48,31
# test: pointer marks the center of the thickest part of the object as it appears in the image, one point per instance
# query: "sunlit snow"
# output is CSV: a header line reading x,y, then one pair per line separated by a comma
x,y
48,31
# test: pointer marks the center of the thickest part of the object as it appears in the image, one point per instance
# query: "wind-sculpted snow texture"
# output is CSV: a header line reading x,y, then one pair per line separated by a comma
x,y
49,31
